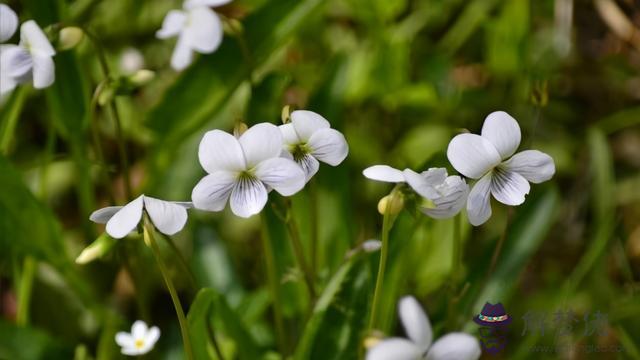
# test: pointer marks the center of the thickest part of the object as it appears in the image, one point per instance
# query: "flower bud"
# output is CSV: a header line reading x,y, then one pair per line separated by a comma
x,y
142,77
100,247
371,245
70,37
239,129
391,204
286,114
372,339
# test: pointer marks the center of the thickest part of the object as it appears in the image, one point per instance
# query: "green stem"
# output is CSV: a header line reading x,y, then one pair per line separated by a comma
x,y
97,143
212,335
498,248
24,292
457,250
298,251
184,327
272,279
313,203
183,261
9,127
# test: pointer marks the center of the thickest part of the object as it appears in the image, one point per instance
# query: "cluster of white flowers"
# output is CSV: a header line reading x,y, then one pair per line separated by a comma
x,y
197,27
29,61
487,157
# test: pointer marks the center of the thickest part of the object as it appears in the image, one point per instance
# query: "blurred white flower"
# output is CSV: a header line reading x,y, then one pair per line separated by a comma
x,y
371,245
488,157
309,138
31,60
457,345
140,341
446,195
168,217
197,27
8,22
131,61
242,170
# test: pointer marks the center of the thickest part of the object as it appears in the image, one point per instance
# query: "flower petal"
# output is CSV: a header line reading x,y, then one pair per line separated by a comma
x,y
307,122
309,165
283,175
329,146
289,135
260,142
7,85
472,155
182,54
125,220
509,187
248,197
139,329
479,201
150,339
44,72
172,24
34,39
8,22
168,218
422,184
219,150
455,346
503,132
131,351
124,339
415,322
212,191
533,165
394,349
190,4
203,31
15,61
454,192
383,173
101,216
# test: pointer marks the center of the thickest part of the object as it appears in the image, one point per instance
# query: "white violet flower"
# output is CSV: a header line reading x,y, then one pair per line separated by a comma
x,y
446,194
309,138
197,27
457,345
8,22
243,170
168,217
140,341
31,60
488,157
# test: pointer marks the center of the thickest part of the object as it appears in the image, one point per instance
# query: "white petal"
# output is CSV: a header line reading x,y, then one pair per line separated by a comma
x,y
383,173
184,204
168,218
124,339
151,338
189,4
44,72
7,85
455,346
139,329
101,216
248,197
32,38
415,322
509,187
260,142
172,24
309,165
533,165
329,146
435,176
479,201
454,195
125,220
472,155
203,31
289,135
307,122
182,54
503,132
212,192
15,61
131,351
422,184
394,349
283,175
8,22
219,150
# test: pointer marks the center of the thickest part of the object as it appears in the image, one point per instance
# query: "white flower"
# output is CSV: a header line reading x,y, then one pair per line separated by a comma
x,y
31,60
309,138
243,170
141,339
447,194
8,22
131,61
168,217
197,27
457,345
488,157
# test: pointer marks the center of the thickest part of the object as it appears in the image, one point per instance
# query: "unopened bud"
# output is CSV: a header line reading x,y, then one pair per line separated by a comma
x,y
100,247
372,340
106,95
391,204
286,114
142,77
239,129
372,245
70,37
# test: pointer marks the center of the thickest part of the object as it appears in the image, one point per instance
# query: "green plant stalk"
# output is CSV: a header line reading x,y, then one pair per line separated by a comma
x,y
498,249
184,327
272,279
212,335
9,127
457,250
298,251
313,203
183,261
24,292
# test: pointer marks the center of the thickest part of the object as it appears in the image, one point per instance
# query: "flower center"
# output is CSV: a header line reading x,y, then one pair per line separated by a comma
x,y
299,151
139,344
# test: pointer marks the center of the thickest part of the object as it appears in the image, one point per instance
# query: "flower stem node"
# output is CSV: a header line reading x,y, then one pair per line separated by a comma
x,y
391,204
69,37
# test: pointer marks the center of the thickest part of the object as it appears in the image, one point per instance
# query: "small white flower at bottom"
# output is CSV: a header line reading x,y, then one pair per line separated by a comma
x,y
140,341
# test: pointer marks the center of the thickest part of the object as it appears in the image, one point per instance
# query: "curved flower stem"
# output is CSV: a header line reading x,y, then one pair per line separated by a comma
x,y
182,260
8,128
457,250
212,336
387,224
184,326
272,279
313,203
298,251
24,291
498,248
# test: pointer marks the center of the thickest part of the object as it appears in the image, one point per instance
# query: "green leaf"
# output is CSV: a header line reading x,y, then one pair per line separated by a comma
x,y
20,343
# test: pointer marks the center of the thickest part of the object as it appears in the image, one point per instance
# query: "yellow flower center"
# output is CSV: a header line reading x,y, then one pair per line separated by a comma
x,y
139,344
